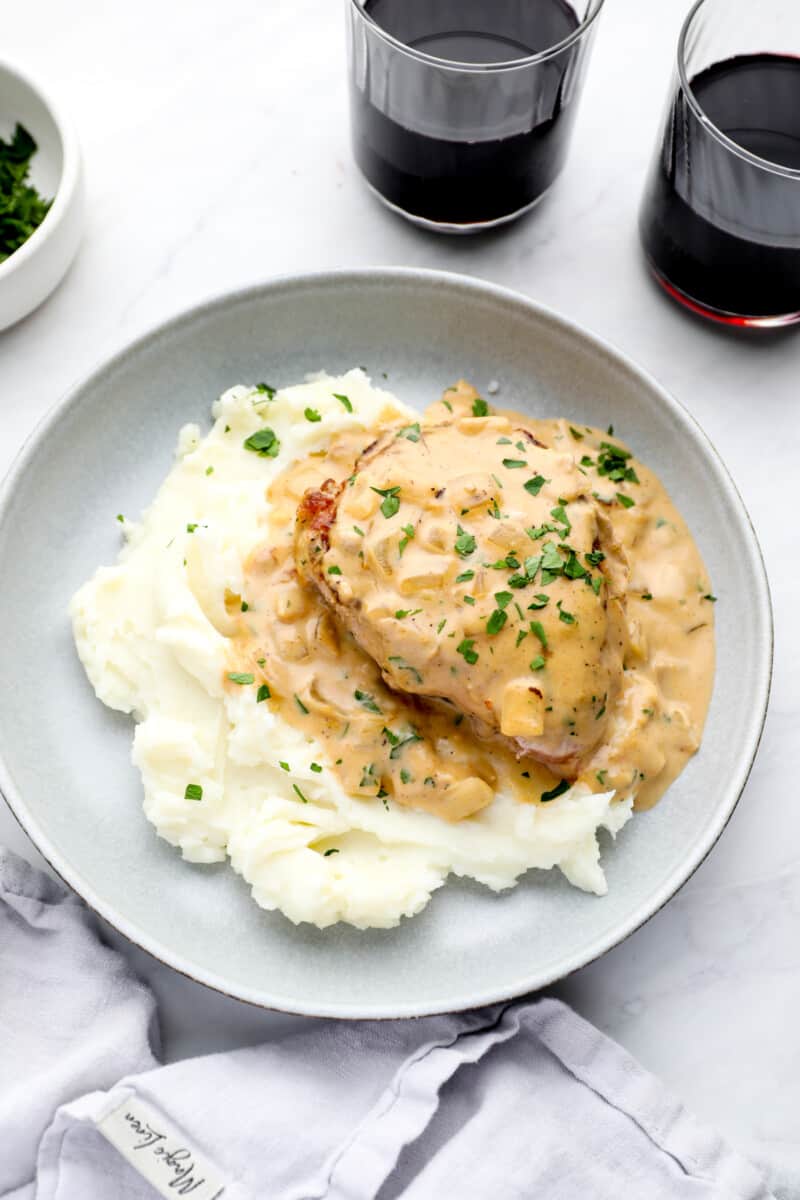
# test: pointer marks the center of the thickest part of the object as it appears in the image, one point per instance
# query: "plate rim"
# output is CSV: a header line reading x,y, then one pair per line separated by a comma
x,y
535,980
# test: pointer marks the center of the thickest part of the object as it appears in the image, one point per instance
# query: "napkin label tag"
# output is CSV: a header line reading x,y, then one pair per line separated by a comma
x,y
161,1155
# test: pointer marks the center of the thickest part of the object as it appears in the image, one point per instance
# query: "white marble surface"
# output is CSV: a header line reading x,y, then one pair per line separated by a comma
x,y
216,145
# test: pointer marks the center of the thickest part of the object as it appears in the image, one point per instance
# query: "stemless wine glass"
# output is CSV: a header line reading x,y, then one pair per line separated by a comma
x,y
720,221
462,110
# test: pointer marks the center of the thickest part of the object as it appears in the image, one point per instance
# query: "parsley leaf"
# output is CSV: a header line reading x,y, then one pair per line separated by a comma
x,y
391,502
412,433
193,792
465,543
367,701
496,621
535,485
312,415
241,677
264,443
467,651
263,694
344,401
479,407
538,629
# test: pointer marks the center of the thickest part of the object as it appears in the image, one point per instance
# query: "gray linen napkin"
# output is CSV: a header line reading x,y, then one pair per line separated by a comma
x,y
525,1100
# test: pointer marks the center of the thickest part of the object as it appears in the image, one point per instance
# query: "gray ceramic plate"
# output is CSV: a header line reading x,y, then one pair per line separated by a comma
x,y
65,760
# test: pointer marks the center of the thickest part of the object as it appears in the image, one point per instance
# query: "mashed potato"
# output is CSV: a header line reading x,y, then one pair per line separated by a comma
x,y
153,633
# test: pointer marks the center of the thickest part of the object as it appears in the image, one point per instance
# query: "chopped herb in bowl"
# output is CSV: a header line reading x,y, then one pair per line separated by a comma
x,y
22,209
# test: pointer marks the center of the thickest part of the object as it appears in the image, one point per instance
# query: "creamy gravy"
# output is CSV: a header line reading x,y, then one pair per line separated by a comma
x,y
611,664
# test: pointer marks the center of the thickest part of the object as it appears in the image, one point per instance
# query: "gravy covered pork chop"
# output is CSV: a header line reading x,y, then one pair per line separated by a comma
x,y
474,565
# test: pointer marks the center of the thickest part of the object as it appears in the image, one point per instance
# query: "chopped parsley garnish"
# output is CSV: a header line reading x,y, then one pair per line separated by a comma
x,y
406,776
523,633
465,576
264,389
600,776
712,599
441,625
612,461
191,528
576,433
241,677
552,563
595,557
535,485
503,599
193,792
284,766
263,694
536,532
344,401
316,768
367,779
540,601
467,651
297,791
300,705
494,511
328,853
209,470
402,665
557,791
625,501
567,617
496,621
312,415
120,518
465,543
573,569
399,742
538,629
447,403
479,407
469,600
402,613
537,663
334,570
264,443
514,464
245,606
22,209
559,514
647,595
358,530
391,500
367,701
503,441
408,534
412,433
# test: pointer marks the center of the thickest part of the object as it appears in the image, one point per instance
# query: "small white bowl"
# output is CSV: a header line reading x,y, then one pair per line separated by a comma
x,y
29,275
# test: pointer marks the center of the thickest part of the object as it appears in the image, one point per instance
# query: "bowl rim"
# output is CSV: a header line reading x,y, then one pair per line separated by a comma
x,y
644,911
69,181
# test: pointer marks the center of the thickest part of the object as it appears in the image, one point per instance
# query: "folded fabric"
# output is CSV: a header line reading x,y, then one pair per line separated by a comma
x,y
524,1100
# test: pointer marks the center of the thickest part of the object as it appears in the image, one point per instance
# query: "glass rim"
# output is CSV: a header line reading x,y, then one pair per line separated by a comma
x,y
511,64
755,160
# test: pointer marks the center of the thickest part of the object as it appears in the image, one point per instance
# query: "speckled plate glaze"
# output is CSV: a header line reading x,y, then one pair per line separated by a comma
x,y
65,759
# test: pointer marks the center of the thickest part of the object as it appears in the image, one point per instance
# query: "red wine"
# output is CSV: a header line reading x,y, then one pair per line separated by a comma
x,y
716,227
459,147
